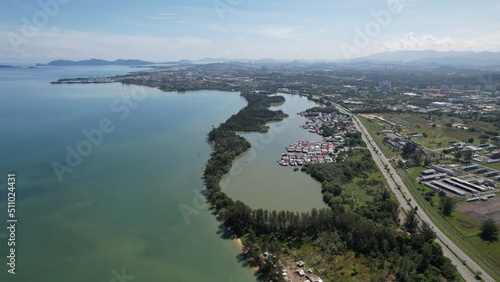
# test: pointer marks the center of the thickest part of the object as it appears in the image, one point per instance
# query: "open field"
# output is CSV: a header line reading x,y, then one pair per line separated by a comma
x,y
374,126
434,127
470,227
482,210
460,228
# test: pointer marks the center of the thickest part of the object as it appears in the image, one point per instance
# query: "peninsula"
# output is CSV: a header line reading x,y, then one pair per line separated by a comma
x,y
360,202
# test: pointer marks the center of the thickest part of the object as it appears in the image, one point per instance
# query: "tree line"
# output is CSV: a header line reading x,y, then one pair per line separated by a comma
x,y
369,230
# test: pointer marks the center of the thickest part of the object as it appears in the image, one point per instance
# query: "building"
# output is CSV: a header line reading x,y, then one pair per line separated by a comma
x,y
314,278
412,107
469,167
489,88
474,87
433,176
440,104
443,170
495,155
411,94
428,171
384,86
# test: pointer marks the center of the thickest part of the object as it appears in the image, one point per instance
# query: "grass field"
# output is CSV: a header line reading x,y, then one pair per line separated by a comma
x,y
466,225
374,126
434,127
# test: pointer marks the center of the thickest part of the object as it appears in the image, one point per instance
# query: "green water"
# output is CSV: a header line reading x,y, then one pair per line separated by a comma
x,y
258,180
118,211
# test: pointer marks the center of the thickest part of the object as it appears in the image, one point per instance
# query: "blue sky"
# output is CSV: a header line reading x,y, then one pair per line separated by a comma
x,y
31,31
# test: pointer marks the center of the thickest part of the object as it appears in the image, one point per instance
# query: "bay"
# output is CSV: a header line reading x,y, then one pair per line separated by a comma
x,y
118,211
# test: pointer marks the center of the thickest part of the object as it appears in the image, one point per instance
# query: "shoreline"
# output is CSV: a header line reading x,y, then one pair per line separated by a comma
x,y
239,245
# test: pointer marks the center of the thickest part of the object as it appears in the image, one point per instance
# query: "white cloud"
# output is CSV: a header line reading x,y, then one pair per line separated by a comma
x,y
278,32
409,41
162,16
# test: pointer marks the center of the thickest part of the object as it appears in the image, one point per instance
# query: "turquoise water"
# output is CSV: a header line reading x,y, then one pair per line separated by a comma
x,y
118,210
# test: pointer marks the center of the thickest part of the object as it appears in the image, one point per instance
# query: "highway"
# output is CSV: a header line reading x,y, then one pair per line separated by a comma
x,y
404,197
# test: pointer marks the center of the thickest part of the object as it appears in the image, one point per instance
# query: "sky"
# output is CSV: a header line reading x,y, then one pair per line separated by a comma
x,y
162,31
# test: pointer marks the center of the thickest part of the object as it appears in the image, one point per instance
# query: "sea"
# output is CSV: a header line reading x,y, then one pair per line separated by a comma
x,y
108,179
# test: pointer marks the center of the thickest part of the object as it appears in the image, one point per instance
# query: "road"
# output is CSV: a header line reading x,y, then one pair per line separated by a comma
x,y
404,197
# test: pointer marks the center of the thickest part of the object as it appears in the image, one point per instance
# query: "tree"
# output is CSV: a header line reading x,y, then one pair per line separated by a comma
x,y
467,156
411,222
427,232
447,205
489,230
457,156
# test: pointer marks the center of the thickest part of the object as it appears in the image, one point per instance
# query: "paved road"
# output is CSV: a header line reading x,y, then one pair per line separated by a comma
x,y
449,248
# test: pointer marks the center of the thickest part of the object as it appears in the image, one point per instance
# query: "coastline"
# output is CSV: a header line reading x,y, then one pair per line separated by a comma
x,y
238,243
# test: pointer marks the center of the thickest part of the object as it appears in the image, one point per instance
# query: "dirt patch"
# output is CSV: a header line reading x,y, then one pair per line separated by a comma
x,y
399,120
291,267
482,210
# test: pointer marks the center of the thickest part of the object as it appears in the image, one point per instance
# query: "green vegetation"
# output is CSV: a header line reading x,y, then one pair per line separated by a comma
x,y
489,230
460,228
328,110
256,115
478,119
357,195
360,225
440,135
467,226
446,203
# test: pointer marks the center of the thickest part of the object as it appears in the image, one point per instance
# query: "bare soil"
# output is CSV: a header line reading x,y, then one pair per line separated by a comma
x,y
482,210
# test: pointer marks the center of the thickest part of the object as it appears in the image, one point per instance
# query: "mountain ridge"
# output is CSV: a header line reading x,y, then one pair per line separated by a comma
x,y
97,62
433,57
424,58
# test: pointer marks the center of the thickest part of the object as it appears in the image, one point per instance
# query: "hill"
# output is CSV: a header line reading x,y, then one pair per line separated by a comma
x,y
436,58
98,62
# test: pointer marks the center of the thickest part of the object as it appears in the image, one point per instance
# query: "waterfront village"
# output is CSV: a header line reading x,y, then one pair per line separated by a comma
x,y
311,152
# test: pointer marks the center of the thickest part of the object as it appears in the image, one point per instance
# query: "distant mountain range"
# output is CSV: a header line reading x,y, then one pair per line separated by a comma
x,y
428,58
434,58
97,62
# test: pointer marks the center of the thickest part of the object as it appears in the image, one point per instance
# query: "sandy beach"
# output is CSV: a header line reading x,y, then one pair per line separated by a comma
x,y
239,244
